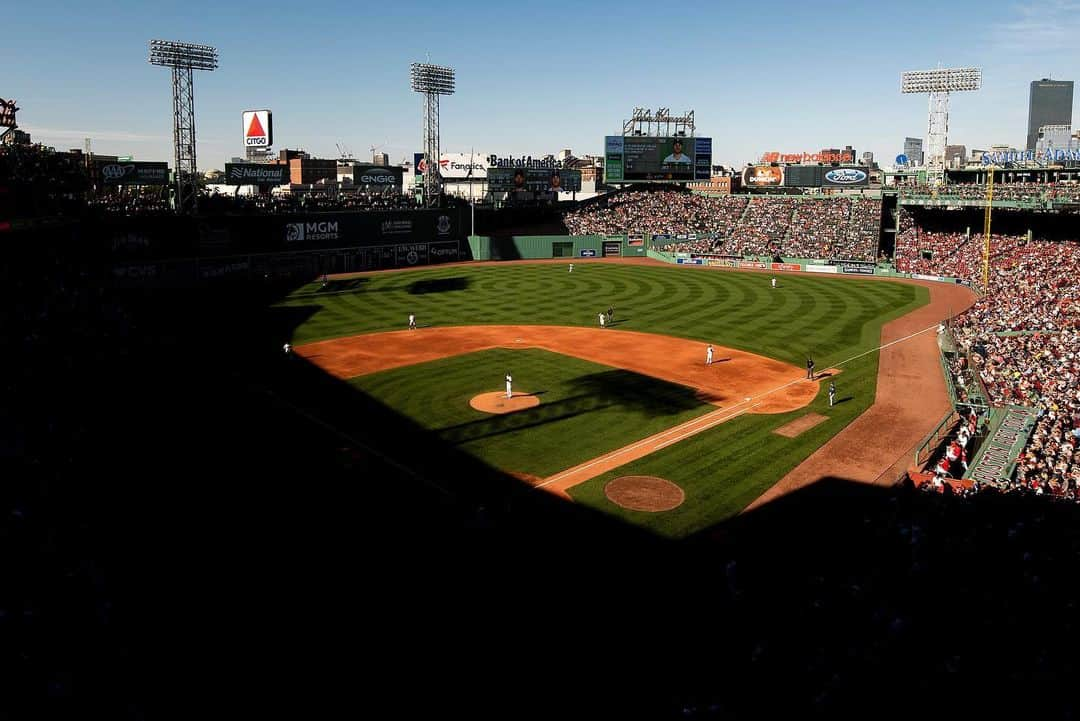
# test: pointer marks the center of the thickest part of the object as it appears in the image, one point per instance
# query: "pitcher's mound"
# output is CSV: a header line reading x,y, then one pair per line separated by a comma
x,y
644,493
497,402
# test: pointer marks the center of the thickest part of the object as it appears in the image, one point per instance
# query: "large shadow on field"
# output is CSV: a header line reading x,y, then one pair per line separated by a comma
x,y
630,392
438,285
181,494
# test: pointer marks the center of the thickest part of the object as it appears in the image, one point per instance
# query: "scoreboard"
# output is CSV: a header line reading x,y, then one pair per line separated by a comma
x,y
635,158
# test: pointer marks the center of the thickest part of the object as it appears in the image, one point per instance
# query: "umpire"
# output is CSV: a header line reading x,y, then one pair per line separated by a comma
x,y
810,368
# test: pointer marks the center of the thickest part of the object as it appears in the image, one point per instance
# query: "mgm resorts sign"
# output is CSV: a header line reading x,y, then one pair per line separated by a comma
x,y
255,174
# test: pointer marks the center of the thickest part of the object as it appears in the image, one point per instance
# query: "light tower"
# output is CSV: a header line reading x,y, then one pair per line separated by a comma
x,y
432,81
183,58
938,84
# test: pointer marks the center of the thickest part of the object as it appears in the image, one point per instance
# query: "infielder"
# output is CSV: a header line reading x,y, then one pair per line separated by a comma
x,y
412,321
708,356
509,381
288,349
601,316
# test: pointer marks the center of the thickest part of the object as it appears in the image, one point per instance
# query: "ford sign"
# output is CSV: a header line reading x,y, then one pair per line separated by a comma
x,y
845,176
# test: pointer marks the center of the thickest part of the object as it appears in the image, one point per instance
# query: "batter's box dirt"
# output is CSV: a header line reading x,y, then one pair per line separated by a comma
x,y
644,493
800,425
497,402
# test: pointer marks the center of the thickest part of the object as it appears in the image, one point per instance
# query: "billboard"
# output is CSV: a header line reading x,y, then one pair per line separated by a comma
x,y
379,176
763,176
845,177
256,174
258,129
536,180
462,165
135,174
630,158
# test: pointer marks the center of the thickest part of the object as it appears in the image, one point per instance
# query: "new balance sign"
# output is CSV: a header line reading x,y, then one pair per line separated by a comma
x,y
256,174
310,232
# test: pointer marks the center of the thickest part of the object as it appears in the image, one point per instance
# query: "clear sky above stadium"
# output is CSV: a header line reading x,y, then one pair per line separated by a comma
x,y
532,77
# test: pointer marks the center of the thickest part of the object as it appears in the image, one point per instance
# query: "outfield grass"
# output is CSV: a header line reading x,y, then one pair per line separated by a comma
x,y
585,409
721,470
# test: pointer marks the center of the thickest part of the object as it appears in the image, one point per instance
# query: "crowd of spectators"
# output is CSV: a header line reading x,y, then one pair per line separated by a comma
x,y
1061,192
950,253
662,212
786,226
1023,337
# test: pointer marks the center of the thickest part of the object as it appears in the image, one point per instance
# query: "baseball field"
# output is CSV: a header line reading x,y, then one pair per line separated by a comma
x,y
626,419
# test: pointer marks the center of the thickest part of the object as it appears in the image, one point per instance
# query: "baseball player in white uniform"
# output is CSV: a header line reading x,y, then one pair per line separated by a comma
x,y
774,282
602,318
412,321
509,381
288,349
708,356
571,267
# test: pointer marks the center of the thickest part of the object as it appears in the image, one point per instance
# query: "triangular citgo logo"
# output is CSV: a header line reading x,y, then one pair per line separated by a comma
x,y
255,130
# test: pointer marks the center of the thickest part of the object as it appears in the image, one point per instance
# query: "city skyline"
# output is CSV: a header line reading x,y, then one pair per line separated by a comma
x,y
802,82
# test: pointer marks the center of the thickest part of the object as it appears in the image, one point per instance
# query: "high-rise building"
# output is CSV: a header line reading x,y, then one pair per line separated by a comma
x,y
955,156
1054,137
1050,103
380,159
913,150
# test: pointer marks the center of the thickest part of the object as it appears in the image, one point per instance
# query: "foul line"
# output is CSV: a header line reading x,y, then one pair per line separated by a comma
x,y
713,419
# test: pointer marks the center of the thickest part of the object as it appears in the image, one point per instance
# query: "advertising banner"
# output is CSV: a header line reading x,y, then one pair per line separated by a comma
x,y
587,253
937,278
785,266
256,174
444,252
753,264
135,174
377,176
763,176
821,268
845,177
258,129
855,267
536,180
462,165
642,158
690,261
635,239
411,254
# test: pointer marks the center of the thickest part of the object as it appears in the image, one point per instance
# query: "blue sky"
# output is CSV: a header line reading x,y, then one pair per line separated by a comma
x,y
532,77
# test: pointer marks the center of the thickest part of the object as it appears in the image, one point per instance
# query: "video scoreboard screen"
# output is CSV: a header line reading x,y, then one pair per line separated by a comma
x,y
634,158
536,180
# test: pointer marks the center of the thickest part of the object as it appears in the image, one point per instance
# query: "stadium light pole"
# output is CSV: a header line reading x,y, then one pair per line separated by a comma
x,y
987,214
184,58
432,81
938,84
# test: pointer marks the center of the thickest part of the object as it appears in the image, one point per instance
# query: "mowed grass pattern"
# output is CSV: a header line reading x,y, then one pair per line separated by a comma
x,y
721,470
585,409
830,317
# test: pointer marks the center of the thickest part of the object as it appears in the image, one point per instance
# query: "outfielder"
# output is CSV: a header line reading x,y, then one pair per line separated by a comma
x,y
571,267
601,316
708,356
774,282
509,381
